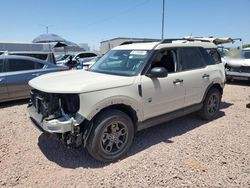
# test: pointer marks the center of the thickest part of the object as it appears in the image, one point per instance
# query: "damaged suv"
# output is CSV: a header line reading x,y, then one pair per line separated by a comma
x,y
132,87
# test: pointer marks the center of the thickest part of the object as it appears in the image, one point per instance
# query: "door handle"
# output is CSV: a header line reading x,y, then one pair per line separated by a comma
x,y
205,76
177,81
36,74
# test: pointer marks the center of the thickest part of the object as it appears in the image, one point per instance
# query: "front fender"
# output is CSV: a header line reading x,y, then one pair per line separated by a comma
x,y
113,101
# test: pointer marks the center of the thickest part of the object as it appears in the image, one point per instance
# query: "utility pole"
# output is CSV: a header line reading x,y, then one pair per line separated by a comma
x,y
163,16
46,27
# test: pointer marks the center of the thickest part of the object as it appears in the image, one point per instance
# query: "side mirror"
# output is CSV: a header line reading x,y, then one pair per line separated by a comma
x,y
158,72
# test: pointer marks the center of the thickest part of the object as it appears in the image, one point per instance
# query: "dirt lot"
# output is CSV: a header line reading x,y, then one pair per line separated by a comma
x,y
186,152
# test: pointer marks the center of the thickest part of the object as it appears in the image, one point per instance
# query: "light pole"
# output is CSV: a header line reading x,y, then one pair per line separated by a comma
x,y
46,27
163,16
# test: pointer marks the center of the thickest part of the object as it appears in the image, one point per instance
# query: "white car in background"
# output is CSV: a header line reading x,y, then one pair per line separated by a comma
x,y
77,57
238,68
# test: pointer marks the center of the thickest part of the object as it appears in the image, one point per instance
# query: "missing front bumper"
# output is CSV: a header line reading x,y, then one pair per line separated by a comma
x,y
60,125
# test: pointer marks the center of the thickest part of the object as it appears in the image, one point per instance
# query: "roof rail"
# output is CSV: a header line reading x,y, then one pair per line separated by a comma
x,y
185,39
138,41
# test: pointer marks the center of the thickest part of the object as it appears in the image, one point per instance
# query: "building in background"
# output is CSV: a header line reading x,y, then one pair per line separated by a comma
x,y
107,45
41,47
84,46
21,46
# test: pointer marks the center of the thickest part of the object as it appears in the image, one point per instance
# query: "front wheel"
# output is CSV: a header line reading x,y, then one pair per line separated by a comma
x,y
211,105
111,137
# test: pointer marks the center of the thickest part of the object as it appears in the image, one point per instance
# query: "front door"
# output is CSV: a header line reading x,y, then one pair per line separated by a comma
x,y
195,74
163,95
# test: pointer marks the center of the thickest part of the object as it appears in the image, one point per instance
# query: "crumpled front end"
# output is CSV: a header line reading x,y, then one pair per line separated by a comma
x,y
57,113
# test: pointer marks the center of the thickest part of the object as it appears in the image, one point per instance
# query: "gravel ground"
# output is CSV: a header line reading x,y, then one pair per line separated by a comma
x,y
186,152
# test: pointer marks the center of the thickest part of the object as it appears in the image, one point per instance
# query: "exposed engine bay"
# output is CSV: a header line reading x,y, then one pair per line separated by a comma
x,y
59,107
53,106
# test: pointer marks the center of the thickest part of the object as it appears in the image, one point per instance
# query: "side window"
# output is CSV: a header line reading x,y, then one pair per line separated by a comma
x,y
1,65
90,55
167,59
84,55
209,60
190,58
215,55
19,65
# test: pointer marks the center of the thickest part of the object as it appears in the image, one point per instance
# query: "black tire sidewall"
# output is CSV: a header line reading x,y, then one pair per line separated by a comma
x,y
94,146
205,113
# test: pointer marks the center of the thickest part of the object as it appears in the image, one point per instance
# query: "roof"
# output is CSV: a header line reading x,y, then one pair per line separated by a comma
x,y
137,46
159,45
184,43
23,58
129,39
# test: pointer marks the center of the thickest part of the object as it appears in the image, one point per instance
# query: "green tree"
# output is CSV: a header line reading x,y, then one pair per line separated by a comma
x,y
246,46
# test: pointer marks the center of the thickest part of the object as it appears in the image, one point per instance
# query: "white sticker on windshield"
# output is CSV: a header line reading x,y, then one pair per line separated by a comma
x,y
138,52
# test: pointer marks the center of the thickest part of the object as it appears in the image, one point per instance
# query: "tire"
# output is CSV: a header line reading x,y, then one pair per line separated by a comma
x,y
111,137
211,104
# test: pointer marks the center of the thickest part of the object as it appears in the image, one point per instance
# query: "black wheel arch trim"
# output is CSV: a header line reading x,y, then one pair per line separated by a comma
x,y
213,84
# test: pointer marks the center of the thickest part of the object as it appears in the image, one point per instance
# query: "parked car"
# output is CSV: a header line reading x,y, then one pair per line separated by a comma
x,y
132,87
15,73
86,63
77,57
45,56
238,68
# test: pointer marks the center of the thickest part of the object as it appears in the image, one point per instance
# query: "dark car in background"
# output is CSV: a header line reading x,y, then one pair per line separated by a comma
x,y
45,56
17,71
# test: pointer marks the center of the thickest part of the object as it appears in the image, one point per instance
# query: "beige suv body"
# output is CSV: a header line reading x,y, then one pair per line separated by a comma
x,y
132,87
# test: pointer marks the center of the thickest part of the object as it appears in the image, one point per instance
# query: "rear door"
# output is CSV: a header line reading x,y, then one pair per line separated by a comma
x,y
20,72
3,83
195,74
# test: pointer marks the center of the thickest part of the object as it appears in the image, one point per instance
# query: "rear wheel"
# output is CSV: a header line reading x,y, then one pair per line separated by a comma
x,y
111,137
211,105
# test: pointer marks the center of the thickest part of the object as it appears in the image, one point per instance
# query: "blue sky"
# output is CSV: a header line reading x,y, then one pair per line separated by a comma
x,y
91,21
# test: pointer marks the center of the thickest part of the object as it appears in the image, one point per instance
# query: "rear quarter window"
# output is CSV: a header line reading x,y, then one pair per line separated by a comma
x,y
215,55
209,60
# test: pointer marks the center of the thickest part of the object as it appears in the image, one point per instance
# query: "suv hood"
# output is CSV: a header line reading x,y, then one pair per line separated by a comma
x,y
79,81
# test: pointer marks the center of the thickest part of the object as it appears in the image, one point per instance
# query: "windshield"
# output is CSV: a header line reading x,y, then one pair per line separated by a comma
x,y
121,62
